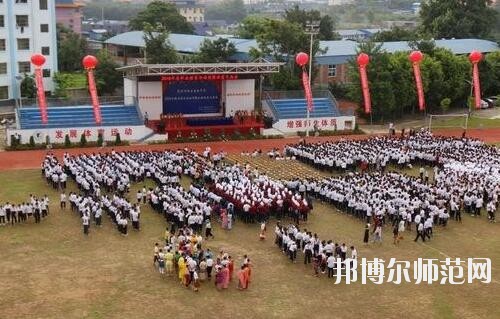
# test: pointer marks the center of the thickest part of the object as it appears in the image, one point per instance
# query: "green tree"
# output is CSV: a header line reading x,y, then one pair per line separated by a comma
x,y
381,83
445,105
457,18
70,50
164,15
252,26
489,69
303,17
230,10
28,86
215,51
108,79
395,34
100,139
159,50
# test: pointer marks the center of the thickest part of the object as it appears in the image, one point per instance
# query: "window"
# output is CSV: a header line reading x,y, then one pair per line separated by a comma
x,y
4,92
46,50
2,44
2,21
23,44
332,70
44,28
46,73
24,67
3,68
21,1
43,5
22,21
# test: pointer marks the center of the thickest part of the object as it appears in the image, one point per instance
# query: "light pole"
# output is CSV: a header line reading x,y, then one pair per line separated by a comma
x,y
312,28
20,79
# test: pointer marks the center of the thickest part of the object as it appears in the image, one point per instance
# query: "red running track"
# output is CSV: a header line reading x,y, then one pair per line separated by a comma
x,y
32,159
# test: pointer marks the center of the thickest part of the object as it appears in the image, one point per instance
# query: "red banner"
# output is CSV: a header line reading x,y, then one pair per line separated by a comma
x,y
199,77
93,95
477,87
307,91
420,89
42,102
365,88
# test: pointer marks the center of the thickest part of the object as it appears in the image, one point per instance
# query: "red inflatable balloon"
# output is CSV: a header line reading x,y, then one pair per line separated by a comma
x,y
89,62
363,59
302,58
416,56
475,56
37,59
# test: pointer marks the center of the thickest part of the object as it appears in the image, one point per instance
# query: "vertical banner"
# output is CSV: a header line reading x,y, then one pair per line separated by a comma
x,y
477,85
94,97
307,90
42,102
38,60
89,63
475,57
363,60
416,58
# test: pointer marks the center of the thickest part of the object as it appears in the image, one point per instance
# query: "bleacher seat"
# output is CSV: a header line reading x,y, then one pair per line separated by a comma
x,y
297,108
79,116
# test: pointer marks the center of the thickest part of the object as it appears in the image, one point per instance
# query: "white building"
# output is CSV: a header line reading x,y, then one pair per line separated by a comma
x,y
26,27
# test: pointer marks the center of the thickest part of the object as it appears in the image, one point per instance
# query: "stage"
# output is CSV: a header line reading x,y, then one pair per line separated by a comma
x,y
180,126
199,99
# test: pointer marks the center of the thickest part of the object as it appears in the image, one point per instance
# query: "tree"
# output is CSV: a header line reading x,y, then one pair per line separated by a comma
x,y
70,50
252,26
380,80
395,34
303,17
215,51
489,69
107,77
457,18
229,10
445,105
159,50
28,86
163,15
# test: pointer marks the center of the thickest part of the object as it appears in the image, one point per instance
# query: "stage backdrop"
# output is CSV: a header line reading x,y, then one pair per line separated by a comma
x,y
240,95
191,97
149,97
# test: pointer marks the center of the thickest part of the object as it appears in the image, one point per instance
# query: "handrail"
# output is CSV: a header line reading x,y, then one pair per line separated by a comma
x,y
271,104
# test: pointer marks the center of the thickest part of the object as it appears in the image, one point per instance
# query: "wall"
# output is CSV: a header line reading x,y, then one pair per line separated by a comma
x,y
129,91
57,135
340,75
70,16
324,123
149,96
239,95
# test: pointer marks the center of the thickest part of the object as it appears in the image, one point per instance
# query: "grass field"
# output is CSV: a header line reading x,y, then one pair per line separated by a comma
x,y
457,122
51,270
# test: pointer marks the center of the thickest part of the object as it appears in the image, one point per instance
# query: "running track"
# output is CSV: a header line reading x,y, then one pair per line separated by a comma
x,y
32,159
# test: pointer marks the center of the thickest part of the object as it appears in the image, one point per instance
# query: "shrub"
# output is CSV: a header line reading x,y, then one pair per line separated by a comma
x,y
118,139
47,139
83,140
32,141
67,141
100,140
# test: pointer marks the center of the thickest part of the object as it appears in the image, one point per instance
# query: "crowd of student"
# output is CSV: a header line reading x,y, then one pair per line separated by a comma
x,y
322,254
466,176
11,213
182,255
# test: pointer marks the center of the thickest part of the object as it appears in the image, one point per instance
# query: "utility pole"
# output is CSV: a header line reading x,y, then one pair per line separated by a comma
x,y
312,28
